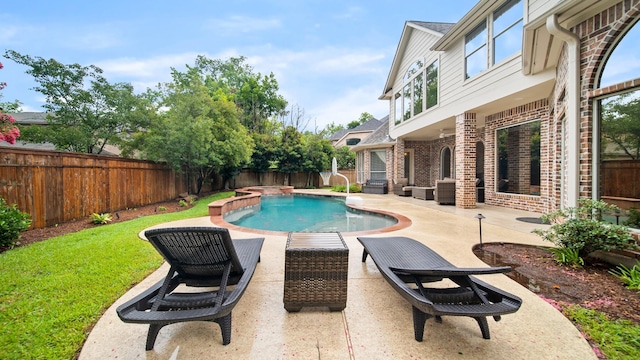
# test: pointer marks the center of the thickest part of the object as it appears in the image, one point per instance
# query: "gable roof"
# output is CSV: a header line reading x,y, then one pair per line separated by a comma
x,y
378,139
434,28
439,27
370,125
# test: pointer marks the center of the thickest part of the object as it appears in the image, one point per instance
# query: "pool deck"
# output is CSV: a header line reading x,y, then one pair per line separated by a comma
x,y
377,322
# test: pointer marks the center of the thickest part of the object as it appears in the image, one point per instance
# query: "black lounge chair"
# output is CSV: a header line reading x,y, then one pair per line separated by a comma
x,y
407,264
200,257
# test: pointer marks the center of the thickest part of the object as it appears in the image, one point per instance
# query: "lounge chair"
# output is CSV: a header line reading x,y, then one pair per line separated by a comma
x,y
407,264
199,257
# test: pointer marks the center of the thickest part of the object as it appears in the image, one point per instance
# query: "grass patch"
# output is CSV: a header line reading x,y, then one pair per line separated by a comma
x,y
616,339
53,292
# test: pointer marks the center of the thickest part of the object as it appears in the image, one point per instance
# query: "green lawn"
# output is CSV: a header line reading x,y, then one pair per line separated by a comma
x,y
53,292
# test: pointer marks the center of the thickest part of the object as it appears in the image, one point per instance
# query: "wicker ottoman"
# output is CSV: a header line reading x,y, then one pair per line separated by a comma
x,y
315,271
424,193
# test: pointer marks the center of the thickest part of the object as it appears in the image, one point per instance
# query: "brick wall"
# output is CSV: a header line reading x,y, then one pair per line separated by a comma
x,y
599,35
537,110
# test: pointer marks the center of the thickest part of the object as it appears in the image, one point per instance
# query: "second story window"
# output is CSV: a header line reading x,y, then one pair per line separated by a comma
x,y
487,45
507,30
475,50
419,84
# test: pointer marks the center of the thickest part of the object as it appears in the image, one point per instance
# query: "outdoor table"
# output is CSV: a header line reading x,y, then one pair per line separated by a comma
x,y
315,271
424,193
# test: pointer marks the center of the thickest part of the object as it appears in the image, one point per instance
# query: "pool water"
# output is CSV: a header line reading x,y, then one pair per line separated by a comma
x,y
307,213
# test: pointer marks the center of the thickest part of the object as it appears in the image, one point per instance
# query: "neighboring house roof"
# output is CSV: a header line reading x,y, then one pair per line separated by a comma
x,y
364,129
40,118
30,118
435,28
339,134
378,139
368,126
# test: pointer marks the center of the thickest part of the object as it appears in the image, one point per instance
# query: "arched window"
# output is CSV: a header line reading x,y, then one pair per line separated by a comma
x,y
619,122
419,91
624,62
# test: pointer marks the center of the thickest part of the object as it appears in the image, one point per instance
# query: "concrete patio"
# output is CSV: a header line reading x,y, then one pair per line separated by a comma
x,y
377,322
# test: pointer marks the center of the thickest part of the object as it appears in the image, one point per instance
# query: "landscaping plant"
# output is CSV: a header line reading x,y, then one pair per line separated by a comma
x,y
567,256
630,277
101,219
581,229
353,188
634,218
12,223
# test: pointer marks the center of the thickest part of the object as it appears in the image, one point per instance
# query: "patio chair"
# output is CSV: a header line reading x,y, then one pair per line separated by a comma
x,y
199,257
401,187
445,191
407,264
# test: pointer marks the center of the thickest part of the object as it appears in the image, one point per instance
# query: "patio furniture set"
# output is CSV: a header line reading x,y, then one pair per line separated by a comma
x,y
316,267
444,191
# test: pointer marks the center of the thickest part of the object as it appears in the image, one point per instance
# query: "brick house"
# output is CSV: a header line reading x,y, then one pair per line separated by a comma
x,y
516,96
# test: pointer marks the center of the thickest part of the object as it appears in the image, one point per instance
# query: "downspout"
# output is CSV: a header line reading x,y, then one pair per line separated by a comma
x,y
572,145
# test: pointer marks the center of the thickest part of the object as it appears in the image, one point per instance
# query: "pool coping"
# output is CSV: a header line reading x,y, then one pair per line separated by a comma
x,y
219,208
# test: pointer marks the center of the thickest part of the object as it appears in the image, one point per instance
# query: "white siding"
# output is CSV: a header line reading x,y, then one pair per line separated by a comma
x,y
537,8
417,49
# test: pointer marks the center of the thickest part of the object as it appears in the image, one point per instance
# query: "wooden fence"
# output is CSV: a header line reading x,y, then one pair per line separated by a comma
x,y
620,178
298,180
56,187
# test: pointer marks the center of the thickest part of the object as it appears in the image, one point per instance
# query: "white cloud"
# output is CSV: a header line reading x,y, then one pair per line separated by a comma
x,y
8,33
347,106
155,67
350,13
326,82
94,40
242,24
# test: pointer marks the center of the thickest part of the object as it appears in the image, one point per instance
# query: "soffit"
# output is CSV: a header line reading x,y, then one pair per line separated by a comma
x,y
540,49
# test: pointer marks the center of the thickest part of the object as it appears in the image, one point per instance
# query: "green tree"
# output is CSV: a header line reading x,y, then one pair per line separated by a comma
x,y
621,125
364,117
318,155
331,129
345,158
255,94
198,133
264,154
86,112
290,155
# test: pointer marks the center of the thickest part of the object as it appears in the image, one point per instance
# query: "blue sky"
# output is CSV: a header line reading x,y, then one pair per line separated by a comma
x,y
331,58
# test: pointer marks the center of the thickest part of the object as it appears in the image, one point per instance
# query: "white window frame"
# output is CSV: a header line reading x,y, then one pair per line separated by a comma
x,y
488,47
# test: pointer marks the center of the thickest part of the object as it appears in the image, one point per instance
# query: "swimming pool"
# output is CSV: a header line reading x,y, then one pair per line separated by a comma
x,y
307,213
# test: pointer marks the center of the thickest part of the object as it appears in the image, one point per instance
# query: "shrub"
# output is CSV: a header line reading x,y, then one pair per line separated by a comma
x,y
182,203
100,219
353,188
162,208
581,229
566,256
12,223
630,277
634,218
339,188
